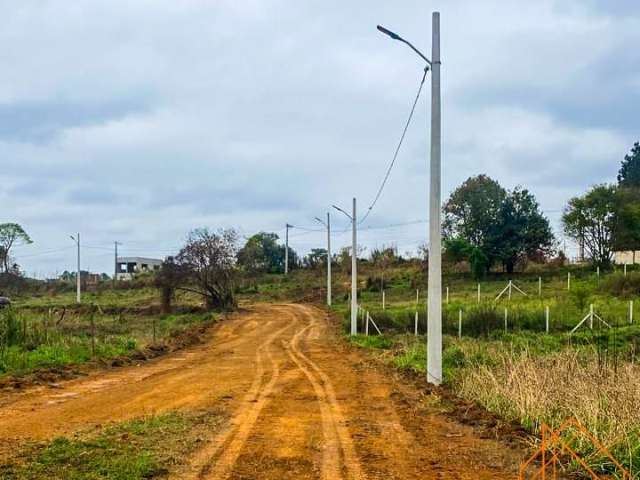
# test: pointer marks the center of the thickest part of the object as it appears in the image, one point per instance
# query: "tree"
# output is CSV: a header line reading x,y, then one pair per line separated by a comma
x,y
315,258
11,234
472,209
626,235
458,249
262,254
487,223
521,231
168,279
629,173
627,223
591,218
209,263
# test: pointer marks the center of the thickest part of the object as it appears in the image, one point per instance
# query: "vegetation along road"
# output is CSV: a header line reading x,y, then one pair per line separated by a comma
x,y
290,400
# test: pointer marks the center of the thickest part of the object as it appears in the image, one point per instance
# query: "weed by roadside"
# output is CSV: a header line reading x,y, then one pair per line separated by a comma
x,y
143,448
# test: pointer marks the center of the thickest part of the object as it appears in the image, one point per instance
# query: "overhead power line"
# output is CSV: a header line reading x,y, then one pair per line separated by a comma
x,y
395,154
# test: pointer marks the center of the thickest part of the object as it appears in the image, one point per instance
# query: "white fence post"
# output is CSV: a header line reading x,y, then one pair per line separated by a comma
x,y
568,280
460,323
383,301
366,328
506,316
540,286
591,316
630,311
478,292
546,318
447,295
598,273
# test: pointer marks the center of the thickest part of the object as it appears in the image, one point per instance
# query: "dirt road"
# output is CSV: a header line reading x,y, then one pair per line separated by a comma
x,y
300,406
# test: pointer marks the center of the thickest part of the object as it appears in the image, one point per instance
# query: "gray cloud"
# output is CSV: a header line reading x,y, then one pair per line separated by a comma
x,y
41,121
137,124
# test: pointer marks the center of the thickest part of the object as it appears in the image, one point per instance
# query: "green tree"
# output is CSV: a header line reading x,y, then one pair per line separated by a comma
x,y
629,173
458,249
591,218
627,219
11,234
497,225
262,254
627,223
521,232
472,209
315,258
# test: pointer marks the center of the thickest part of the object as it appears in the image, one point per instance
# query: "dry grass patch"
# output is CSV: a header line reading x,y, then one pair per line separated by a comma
x,y
549,389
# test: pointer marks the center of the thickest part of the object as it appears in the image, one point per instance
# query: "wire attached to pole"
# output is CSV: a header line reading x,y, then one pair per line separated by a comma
x,y
395,155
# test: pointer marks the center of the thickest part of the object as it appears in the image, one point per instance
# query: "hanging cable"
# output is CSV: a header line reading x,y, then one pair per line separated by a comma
x,y
395,155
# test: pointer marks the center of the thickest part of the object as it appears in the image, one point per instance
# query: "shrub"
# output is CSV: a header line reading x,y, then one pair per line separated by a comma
x,y
482,320
621,285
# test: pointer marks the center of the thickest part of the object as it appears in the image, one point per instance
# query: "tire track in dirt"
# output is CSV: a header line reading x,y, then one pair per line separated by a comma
x,y
175,381
333,422
302,406
331,455
216,460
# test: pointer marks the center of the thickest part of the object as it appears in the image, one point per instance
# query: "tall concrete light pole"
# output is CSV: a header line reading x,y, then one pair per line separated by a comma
x,y
434,308
354,268
286,248
78,281
115,266
328,225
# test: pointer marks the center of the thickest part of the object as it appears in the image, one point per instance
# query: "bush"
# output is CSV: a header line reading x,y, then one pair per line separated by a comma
x,y
620,285
482,320
9,327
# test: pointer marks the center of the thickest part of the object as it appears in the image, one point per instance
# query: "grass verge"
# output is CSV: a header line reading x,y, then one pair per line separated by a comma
x,y
144,448
535,379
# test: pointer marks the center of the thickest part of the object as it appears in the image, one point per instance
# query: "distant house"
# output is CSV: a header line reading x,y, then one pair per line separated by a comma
x,y
128,267
626,257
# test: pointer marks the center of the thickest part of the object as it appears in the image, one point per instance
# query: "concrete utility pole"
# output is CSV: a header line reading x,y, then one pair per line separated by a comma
x,y
328,260
78,281
354,268
434,326
328,225
286,249
434,290
115,266
354,273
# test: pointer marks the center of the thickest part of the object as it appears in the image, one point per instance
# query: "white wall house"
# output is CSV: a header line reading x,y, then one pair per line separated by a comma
x,y
627,257
127,267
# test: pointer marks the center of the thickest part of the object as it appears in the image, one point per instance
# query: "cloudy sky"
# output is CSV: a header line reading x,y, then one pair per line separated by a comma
x,y
139,120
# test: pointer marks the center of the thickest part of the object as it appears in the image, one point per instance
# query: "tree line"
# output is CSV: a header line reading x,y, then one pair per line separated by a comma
x,y
485,226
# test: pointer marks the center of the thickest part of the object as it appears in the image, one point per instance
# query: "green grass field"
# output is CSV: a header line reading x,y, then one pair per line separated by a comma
x,y
51,331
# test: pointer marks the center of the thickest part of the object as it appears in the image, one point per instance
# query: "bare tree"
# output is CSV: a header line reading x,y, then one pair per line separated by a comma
x,y
208,261
170,277
11,234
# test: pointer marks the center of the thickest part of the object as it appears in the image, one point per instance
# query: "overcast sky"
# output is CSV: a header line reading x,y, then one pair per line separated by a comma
x,y
139,120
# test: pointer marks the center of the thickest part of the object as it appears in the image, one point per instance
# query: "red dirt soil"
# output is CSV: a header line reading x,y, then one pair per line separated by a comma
x,y
301,406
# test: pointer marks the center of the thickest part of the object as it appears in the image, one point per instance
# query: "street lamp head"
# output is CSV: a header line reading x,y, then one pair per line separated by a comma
x,y
342,211
395,36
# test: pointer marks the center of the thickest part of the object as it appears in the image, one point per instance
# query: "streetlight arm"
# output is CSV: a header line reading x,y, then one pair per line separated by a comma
x,y
322,222
340,210
395,36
